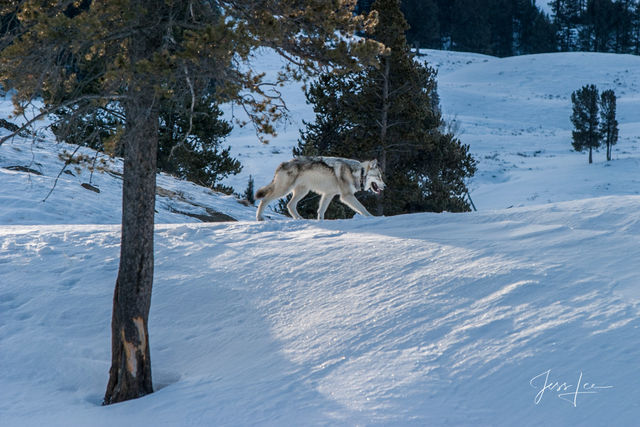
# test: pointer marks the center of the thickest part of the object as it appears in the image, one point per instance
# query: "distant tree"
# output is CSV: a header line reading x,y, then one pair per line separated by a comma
x,y
567,16
249,193
635,30
597,32
623,37
516,27
137,52
534,32
608,122
471,27
501,18
586,133
424,26
390,113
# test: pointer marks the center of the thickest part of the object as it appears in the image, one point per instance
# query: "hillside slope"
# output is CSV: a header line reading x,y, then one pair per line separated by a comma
x,y
35,190
422,319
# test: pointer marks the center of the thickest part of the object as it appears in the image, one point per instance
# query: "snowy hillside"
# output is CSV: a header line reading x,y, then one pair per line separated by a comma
x,y
30,169
515,114
491,318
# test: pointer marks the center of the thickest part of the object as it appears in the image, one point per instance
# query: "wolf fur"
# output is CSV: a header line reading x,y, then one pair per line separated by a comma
x,y
327,176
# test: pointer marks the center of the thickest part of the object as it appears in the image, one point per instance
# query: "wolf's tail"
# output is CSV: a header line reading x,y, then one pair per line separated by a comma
x,y
264,190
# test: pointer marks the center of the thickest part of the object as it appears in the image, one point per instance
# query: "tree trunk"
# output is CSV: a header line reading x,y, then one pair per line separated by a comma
x,y
590,155
130,373
384,124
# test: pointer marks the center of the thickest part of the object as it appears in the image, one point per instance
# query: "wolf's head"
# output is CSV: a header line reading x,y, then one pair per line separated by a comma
x,y
373,177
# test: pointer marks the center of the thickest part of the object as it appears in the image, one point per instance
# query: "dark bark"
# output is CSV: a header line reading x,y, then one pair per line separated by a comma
x,y
130,374
384,125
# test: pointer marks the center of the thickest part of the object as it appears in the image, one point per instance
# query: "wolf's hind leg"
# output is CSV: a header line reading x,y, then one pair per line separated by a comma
x,y
279,187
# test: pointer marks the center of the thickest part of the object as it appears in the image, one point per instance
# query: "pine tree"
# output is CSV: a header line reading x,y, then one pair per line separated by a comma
x,y
608,122
597,33
137,52
249,192
586,135
390,113
471,27
189,143
534,31
635,30
424,26
567,16
623,26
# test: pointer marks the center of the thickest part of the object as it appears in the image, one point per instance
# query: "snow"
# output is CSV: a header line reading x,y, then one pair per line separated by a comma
x,y
545,6
423,319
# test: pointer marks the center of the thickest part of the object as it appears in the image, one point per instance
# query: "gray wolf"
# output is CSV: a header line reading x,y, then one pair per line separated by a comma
x,y
327,176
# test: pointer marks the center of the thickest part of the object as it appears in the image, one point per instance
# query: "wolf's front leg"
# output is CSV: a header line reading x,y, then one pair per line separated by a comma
x,y
351,201
325,199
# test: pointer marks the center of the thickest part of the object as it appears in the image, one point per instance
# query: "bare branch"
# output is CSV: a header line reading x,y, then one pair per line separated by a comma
x,y
60,173
193,104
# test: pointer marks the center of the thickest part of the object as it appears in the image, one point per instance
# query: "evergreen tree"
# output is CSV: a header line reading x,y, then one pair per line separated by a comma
x,y
470,27
623,26
189,143
634,41
249,193
389,113
516,27
137,52
501,21
534,32
608,122
597,33
586,135
424,26
567,16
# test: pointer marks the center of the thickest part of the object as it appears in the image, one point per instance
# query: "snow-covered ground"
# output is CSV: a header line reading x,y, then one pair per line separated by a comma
x,y
425,319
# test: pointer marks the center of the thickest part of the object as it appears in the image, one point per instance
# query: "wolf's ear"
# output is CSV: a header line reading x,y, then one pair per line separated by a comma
x,y
374,163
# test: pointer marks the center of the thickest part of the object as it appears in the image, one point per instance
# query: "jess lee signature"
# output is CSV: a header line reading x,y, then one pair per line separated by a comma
x,y
563,390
